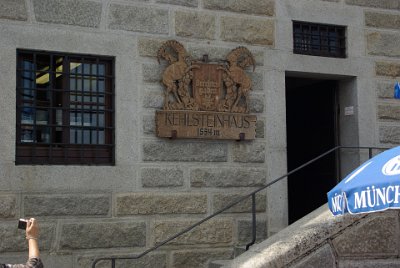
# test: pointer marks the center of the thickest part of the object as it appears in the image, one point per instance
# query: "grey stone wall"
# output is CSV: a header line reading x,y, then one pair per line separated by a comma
x,y
158,187
382,36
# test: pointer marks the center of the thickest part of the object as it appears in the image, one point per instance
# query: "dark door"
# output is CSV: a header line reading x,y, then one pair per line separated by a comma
x,y
311,131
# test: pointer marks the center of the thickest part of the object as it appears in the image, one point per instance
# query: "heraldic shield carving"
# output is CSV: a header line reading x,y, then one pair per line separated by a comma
x,y
205,100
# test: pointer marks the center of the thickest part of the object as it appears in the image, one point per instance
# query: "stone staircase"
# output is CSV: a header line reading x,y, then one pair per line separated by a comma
x,y
321,240
237,251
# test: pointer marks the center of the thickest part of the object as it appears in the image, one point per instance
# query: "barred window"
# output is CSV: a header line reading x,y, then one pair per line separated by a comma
x,y
319,39
65,108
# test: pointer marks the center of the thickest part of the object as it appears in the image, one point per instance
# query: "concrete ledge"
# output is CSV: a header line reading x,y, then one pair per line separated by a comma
x,y
296,241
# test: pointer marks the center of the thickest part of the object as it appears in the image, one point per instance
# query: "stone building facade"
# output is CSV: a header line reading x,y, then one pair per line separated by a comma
x,y
159,186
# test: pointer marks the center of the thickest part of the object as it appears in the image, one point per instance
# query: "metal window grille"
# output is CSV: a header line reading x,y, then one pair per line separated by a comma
x,y
319,39
65,108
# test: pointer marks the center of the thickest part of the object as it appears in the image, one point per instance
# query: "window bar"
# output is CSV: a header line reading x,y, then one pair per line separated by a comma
x,y
80,145
50,122
97,107
65,111
112,106
34,106
91,102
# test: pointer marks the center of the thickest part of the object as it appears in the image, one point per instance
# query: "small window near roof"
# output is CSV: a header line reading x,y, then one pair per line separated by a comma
x,y
65,109
319,39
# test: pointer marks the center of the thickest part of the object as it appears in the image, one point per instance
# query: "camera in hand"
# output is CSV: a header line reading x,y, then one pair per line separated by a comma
x,y
22,224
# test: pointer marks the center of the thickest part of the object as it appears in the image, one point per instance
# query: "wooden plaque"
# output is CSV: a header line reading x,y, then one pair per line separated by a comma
x,y
205,125
205,100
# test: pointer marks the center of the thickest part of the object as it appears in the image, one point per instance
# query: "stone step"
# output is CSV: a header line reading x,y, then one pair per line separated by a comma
x,y
225,263
237,251
219,263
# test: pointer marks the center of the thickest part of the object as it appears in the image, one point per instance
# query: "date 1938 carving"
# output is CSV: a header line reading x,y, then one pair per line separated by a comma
x,y
205,100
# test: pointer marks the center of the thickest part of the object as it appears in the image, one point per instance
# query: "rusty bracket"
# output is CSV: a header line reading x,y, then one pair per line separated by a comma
x,y
174,134
242,137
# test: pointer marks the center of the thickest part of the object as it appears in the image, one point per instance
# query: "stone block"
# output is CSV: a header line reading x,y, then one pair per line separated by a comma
x,y
250,31
382,20
257,81
153,99
256,103
245,231
372,238
389,112
138,19
154,203
8,205
369,263
156,260
102,235
389,134
186,3
13,239
148,47
224,177
162,177
185,152
256,7
67,205
149,125
216,54
220,201
69,12
219,263
249,152
321,257
13,10
153,73
387,4
199,258
210,232
390,69
260,129
198,25
385,90
383,44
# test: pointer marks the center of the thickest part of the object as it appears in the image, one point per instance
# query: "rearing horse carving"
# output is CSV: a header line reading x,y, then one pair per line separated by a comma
x,y
175,72
238,59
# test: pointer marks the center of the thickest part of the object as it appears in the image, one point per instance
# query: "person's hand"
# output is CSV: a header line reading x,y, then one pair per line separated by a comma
x,y
32,229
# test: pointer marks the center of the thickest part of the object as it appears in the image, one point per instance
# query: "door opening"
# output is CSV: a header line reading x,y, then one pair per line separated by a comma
x,y
311,130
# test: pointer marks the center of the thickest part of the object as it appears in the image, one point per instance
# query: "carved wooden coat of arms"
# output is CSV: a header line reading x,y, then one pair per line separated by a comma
x,y
205,100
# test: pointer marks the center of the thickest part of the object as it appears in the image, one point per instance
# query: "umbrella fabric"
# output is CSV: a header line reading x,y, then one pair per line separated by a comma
x,y
397,90
373,186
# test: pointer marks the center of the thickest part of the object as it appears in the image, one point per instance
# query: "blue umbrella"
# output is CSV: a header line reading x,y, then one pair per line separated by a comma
x,y
373,186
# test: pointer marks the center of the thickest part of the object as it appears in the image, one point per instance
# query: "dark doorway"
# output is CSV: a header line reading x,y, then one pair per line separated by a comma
x,y
311,131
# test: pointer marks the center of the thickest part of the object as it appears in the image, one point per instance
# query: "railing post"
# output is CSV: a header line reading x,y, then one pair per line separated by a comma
x,y
94,263
253,225
112,263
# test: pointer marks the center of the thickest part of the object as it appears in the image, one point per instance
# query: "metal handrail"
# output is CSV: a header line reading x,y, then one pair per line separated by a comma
x,y
252,194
